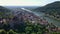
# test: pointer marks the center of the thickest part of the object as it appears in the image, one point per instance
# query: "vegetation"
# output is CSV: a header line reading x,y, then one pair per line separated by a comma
x,y
4,12
15,27
52,9
28,28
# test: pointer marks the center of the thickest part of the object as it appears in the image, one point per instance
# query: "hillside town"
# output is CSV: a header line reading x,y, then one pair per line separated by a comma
x,y
22,16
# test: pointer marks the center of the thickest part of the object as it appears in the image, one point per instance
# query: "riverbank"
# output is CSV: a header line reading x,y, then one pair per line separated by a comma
x,y
50,16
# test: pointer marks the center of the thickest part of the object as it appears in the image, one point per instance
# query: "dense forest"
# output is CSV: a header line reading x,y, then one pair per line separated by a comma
x,y
5,12
51,9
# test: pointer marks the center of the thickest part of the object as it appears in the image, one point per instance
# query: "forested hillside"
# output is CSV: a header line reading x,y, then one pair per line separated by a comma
x,y
51,9
5,12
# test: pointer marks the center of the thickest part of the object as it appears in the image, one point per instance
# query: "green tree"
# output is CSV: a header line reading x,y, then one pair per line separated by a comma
x,y
11,32
3,32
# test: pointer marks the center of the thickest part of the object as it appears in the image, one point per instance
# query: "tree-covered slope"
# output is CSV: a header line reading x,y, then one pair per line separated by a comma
x,y
51,9
4,12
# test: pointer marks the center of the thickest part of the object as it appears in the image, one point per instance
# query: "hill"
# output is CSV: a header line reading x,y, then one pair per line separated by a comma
x,y
4,12
51,9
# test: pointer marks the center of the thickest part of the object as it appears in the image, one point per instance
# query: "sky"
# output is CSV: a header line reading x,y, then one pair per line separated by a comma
x,y
25,2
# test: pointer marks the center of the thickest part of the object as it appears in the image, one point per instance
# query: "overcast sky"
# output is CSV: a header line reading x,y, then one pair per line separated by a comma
x,y
25,2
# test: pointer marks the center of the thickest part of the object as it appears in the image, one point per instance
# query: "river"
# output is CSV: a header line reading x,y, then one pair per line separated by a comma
x,y
42,15
50,20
